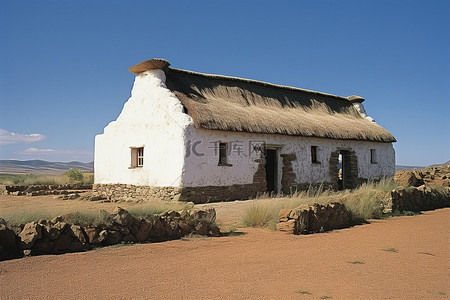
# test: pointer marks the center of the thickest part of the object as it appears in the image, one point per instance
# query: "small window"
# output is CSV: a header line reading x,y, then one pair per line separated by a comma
x,y
137,157
314,155
373,156
223,153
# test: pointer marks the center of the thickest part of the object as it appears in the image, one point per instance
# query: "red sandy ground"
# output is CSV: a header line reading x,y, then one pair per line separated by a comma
x,y
261,264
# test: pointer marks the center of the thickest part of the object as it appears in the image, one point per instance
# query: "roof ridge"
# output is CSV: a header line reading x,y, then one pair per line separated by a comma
x,y
263,83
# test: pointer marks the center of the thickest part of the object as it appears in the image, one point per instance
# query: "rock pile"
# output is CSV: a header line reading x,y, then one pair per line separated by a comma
x,y
39,190
438,176
419,198
315,218
58,236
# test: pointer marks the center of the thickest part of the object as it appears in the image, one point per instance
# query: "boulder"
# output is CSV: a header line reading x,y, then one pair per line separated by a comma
x,y
30,233
43,247
141,230
78,233
122,217
102,236
114,237
9,244
92,234
283,215
63,242
207,215
287,226
50,231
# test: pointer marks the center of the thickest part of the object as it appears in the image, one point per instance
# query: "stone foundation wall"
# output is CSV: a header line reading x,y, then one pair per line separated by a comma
x,y
419,198
134,193
315,218
57,236
197,195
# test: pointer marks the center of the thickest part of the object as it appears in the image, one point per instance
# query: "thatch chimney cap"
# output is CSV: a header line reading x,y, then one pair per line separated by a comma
x,y
355,99
151,64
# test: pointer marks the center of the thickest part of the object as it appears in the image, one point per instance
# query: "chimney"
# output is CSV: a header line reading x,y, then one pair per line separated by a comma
x,y
357,103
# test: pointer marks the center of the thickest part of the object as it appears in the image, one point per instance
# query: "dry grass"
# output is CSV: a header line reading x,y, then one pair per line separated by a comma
x,y
366,202
233,104
79,212
31,179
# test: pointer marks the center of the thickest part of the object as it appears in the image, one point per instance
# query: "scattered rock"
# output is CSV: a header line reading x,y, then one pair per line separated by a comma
x,y
9,244
30,233
63,242
122,217
78,233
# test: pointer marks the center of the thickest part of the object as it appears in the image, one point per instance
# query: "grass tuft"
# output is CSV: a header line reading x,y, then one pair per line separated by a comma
x,y
303,292
356,262
259,215
390,250
369,201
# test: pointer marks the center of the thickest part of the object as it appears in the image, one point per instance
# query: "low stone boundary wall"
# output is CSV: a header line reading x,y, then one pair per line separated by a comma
x,y
39,190
419,198
315,218
133,193
56,236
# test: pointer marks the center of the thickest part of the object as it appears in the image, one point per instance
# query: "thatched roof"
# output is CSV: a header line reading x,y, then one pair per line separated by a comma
x,y
233,104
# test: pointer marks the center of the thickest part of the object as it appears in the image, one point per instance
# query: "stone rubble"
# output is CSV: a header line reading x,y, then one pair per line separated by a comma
x,y
314,218
56,236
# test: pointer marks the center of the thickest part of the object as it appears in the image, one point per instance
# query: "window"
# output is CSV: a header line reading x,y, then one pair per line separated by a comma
x,y
137,157
223,147
373,156
314,155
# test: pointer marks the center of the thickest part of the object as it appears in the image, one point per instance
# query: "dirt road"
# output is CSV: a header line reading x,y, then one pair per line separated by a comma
x,y
399,258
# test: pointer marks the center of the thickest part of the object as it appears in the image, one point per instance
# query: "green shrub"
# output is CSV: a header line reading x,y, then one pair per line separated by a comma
x,y
75,175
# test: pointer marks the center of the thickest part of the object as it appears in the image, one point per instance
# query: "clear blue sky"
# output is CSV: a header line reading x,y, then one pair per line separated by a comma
x,y
64,77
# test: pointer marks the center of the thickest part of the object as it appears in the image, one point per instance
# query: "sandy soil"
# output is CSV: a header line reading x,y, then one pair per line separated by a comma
x,y
261,264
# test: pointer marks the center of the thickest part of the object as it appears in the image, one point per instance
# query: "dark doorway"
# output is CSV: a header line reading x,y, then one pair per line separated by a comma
x,y
271,170
340,171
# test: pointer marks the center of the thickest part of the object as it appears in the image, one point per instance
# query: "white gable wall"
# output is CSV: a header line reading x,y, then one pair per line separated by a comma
x,y
152,118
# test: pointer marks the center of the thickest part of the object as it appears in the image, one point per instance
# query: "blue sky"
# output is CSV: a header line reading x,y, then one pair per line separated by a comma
x,y
64,77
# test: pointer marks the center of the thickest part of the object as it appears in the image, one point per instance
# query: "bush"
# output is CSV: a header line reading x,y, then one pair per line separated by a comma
x,y
75,175
370,201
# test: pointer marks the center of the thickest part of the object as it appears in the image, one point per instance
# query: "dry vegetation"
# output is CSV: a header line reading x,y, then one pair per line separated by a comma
x,y
367,202
76,211
32,179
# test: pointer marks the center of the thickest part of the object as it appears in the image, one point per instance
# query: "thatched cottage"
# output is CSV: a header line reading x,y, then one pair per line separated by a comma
x,y
200,137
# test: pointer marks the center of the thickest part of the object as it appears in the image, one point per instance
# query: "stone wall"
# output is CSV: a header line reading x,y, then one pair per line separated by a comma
x,y
133,193
419,198
197,195
315,218
38,190
58,236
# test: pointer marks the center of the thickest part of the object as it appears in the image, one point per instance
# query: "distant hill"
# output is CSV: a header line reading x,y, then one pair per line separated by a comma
x,y
42,167
405,168
444,164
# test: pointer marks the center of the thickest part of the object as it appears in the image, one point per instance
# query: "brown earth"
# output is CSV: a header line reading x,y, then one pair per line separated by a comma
x,y
261,264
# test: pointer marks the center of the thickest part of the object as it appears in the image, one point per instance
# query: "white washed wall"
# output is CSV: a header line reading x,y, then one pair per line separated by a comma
x,y
204,170
151,118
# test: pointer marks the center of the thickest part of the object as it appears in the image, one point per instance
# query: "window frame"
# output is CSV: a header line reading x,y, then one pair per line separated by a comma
x,y
314,156
137,157
223,154
373,156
